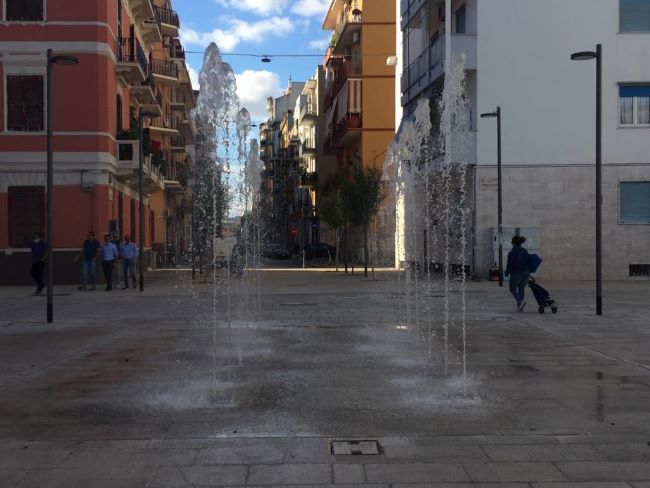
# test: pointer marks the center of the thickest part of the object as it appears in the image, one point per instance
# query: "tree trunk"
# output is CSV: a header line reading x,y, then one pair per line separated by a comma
x,y
338,247
347,246
365,249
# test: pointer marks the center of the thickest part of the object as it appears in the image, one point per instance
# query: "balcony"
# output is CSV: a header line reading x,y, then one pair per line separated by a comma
x,y
307,114
176,50
430,65
164,71
309,180
142,10
149,100
348,29
165,125
131,61
128,166
346,70
343,133
408,8
177,144
169,22
307,149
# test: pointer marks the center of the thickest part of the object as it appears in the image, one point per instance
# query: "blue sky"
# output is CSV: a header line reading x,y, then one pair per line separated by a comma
x,y
262,27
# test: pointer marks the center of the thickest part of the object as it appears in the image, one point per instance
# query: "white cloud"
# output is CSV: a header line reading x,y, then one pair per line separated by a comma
x,y
320,44
239,31
310,8
259,7
194,77
254,87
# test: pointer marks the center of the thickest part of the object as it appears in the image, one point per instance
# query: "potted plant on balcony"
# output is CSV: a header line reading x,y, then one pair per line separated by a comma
x,y
354,120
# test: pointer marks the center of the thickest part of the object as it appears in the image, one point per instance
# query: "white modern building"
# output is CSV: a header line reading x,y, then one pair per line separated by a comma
x,y
518,58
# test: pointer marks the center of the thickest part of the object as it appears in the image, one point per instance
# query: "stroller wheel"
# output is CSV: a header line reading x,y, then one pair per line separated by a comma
x,y
540,309
554,308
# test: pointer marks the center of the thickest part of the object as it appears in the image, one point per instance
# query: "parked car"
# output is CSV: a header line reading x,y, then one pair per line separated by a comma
x,y
275,251
319,250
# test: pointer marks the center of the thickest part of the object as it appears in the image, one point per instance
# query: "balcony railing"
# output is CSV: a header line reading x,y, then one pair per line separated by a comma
x,y
176,51
349,121
130,51
307,110
167,16
164,122
307,147
164,68
429,65
309,179
346,70
178,141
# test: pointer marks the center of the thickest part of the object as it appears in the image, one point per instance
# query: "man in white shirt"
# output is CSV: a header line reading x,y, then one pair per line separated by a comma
x,y
109,256
129,254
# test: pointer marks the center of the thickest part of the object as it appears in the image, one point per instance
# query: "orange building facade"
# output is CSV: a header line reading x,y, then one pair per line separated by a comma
x,y
359,103
130,62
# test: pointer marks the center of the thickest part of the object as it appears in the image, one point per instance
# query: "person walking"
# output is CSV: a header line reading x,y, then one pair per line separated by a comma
x,y
109,256
117,269
89,252
39,255
129,253
518,270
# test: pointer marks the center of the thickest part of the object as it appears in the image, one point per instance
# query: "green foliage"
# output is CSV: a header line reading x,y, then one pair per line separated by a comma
x,y
331,206
362,195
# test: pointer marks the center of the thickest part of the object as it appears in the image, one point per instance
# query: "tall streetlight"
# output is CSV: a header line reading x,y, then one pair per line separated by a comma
x,y
598,56
141,116
51,61
497,114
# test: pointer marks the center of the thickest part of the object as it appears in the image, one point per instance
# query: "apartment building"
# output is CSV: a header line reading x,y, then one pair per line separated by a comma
x,y
130,62
359,107
279,151
315,166
548,119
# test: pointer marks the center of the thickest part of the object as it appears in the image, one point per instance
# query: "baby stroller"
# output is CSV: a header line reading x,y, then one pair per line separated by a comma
x,y
542,296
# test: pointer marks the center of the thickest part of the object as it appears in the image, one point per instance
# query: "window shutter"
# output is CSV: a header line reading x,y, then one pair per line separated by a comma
x,y
635,202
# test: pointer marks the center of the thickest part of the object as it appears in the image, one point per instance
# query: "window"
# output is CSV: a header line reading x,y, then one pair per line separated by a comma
x,y
635,202
461,20
634,104
25,103
24,10
634,15
119,113
26,213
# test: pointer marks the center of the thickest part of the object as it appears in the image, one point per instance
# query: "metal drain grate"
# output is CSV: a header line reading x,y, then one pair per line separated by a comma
x,y
355,448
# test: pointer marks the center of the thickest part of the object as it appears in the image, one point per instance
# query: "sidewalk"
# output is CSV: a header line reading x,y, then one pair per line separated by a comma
x,y
130,389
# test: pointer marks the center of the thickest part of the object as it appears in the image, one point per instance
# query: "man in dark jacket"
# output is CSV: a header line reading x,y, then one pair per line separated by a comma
x,y
518,270
39,255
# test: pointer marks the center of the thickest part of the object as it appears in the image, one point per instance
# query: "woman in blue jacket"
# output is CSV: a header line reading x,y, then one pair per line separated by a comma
x,y
518,270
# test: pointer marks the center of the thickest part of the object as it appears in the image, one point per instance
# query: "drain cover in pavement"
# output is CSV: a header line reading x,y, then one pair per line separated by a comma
x,y
358,448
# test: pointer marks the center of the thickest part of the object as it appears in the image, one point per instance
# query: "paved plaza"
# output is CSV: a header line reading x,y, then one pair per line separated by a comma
x,y
248,382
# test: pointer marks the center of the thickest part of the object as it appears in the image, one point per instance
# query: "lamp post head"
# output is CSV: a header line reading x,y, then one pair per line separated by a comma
x,y
265,59
489,115
584,56
64,60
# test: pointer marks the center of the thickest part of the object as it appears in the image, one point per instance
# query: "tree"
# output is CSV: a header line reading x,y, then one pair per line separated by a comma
x,y
332,211
361,196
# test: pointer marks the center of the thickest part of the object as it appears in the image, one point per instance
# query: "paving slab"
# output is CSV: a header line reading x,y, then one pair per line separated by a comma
x,y
184,385
416,472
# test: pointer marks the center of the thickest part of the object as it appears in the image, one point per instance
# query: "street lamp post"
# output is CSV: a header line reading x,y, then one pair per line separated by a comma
x,y
51,61
598,56
141,116
497,114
